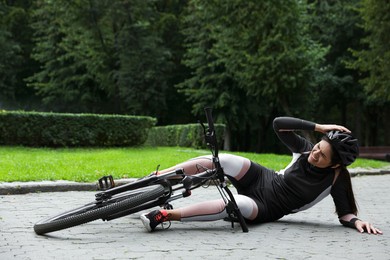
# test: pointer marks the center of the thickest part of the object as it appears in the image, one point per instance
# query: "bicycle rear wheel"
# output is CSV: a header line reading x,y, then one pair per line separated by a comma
x,y
98,210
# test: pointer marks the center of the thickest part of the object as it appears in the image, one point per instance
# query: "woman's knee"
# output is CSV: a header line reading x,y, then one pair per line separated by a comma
x,y
234,166
247,206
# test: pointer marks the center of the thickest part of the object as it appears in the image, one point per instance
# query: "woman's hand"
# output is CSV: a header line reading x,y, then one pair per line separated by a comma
x,y
362,226
326,128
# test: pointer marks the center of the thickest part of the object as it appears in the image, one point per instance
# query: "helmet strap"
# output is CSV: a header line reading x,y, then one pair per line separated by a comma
x,y
337,165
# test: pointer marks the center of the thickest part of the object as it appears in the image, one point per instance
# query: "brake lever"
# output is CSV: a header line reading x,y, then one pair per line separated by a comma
x,y
204,128
208,136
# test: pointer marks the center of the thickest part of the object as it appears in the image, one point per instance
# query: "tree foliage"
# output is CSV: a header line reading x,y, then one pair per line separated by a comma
x,y
334,25
247,67
373,61
325,61
100,52
15,48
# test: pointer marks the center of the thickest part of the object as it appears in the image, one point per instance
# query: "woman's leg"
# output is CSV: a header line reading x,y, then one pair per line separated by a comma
x,y
233,165
204,211
216,210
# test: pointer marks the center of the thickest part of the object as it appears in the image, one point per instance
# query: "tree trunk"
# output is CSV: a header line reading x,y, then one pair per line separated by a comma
x,y
227,139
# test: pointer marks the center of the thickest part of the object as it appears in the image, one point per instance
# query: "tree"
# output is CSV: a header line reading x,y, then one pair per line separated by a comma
x,y
339,96
177,110
10,52
100,56
250,60
62,81
15,49
372,61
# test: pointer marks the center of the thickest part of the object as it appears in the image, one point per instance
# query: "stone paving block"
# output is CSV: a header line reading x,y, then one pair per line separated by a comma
x,y
313,234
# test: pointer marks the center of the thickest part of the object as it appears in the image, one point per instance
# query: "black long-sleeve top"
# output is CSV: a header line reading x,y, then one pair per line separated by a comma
x,y
301,185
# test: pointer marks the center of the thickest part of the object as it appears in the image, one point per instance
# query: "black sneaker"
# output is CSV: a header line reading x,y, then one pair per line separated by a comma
x,y
153,219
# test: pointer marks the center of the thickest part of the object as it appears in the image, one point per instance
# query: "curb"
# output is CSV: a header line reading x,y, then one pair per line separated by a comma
x,y
363,171
14,188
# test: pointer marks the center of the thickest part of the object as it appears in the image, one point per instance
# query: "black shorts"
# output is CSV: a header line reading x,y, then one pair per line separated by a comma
x,y
257,184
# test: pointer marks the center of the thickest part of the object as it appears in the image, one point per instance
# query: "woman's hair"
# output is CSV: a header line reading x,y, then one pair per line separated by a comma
x,y
344,175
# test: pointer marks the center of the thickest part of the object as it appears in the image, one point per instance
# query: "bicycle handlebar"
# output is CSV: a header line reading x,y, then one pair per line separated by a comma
x,y
211,140
189,181
210,135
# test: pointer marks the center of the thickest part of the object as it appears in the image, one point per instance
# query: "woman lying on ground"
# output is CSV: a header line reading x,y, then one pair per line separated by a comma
x,y
265,195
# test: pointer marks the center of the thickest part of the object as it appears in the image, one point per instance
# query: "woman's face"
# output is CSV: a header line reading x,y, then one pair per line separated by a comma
x,y
321,154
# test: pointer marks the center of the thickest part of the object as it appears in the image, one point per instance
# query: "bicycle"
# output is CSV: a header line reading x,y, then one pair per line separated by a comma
x,y
148,192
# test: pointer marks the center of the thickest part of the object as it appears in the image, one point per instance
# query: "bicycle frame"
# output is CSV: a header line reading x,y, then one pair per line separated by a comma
x,y
211,140
186,183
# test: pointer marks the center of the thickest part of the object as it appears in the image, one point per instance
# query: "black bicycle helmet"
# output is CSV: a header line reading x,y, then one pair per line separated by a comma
x,y
345,145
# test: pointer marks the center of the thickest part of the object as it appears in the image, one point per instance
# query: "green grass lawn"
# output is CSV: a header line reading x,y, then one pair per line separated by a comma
x,y
89,164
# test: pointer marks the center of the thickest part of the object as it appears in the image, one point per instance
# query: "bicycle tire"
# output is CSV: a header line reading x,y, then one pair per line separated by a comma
x,y
86,213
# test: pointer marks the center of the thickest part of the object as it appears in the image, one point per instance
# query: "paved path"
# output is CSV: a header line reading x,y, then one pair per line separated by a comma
x,y
313,234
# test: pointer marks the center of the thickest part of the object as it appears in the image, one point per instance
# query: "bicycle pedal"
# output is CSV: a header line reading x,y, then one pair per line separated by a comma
x,y
106,182
167,206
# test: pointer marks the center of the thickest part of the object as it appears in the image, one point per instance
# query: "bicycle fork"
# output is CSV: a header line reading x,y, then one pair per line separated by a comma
x,y
233,210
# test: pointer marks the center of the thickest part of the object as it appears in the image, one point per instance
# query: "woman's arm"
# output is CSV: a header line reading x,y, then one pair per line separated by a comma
x,y
284,128
346,211
351,220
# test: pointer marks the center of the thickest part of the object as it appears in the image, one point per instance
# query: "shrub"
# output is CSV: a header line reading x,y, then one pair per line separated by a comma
x,y
59,130
190,135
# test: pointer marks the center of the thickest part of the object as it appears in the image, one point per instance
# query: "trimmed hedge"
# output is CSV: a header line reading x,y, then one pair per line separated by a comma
x,y
190,135
69,130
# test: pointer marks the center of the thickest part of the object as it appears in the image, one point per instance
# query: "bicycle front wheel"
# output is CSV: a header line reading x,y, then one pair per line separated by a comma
x,y
97,210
